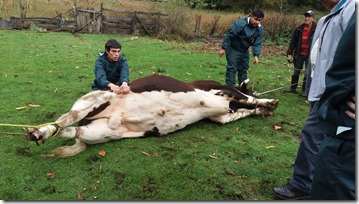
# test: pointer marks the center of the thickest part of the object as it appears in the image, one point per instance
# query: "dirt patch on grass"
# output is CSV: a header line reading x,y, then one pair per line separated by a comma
x,y
24,151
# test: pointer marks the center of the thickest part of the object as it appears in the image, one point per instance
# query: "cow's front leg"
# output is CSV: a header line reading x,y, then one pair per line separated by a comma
x,y
262,102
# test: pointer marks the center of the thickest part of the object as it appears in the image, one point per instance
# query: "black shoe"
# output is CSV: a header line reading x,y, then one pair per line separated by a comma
x,y
289,90
289,193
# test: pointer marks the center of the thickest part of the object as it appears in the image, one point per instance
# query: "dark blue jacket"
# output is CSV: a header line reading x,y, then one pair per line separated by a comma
x,y
110,72
241,35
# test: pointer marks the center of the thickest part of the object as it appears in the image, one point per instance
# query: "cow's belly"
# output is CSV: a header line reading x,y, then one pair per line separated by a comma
x,y
170,112
169,122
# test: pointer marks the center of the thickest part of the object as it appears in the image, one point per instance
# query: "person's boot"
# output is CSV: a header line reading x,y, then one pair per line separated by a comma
x,y
293,86
288,192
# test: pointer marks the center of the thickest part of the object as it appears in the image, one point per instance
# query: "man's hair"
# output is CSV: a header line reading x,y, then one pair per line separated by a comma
x,y
258,13
112,44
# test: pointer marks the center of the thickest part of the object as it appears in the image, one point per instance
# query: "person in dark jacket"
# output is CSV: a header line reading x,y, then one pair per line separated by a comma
x,y
242,34
328,33
334,175
299,50
111,70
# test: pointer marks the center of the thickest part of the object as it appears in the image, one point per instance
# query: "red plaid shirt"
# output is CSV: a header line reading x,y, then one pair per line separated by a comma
x,y
304,48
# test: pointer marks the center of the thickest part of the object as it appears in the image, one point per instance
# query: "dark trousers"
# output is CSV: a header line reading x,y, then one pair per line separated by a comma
x,y
237,62
312,136
334,175
301,61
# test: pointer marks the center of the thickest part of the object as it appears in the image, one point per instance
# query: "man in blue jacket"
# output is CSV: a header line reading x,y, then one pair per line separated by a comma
x,y
242,34
111,70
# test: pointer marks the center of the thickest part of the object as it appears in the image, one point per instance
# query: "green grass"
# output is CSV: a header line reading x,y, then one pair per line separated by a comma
x,y
204,161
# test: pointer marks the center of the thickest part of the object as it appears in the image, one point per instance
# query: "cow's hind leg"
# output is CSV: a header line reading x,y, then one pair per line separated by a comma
x,y
98,131
81,108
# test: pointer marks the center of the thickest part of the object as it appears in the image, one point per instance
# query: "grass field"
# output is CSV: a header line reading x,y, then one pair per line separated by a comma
x,y
205,161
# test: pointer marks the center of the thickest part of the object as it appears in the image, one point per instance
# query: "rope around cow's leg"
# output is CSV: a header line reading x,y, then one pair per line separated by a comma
x,y
58,127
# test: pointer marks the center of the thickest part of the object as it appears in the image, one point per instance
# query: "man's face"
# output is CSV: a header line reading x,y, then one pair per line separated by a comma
x,y
329,4
255,21
113,54
308,19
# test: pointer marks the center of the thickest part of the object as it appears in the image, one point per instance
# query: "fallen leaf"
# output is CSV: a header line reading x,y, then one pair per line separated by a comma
x,y
51,175
277,127
20,108
237,129
102,153
270,147
188,73
100,168
145,153
79,196
34,105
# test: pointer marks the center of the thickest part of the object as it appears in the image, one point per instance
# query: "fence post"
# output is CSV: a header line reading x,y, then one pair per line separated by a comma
x,y
133,22
21,9
157,21
198,24
76,15
101,15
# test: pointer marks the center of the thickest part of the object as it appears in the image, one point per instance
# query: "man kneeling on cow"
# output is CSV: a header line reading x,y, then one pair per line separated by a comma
x,y
111,70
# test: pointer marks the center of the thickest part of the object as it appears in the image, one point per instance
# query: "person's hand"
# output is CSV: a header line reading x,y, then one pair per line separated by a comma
x,y
290,58
125,89
351,105
256,60
116,89
221,52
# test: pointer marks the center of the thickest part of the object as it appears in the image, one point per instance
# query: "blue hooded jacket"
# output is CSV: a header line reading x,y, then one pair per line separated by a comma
x,y
110,72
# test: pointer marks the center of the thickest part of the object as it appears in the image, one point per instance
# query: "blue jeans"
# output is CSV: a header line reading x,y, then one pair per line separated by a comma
x,y
236,62
312,136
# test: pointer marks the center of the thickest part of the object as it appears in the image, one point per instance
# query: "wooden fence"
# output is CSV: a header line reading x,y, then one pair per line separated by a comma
x,y
89,20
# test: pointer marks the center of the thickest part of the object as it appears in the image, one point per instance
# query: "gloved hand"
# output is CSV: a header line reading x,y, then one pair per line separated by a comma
x,y
290,58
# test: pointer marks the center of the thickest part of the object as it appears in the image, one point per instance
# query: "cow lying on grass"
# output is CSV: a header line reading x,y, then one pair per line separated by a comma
x,y
157,105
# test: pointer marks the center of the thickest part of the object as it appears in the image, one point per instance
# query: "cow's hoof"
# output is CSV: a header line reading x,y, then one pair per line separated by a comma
x,y
264,111
274,104
33,135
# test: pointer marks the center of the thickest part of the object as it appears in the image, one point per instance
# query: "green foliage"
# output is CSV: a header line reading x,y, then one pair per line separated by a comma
x,y
278,28
176,25
205,161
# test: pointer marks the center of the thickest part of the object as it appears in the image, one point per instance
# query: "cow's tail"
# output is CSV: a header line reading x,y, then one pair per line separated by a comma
x,y
68,151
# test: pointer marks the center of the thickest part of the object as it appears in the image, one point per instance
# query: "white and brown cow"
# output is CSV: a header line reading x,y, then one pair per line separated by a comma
x,y
157,105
